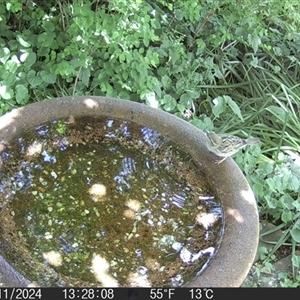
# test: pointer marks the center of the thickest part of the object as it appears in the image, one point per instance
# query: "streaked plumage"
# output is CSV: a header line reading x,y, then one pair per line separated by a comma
x,y
224,145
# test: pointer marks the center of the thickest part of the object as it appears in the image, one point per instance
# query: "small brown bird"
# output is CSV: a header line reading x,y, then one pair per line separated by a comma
x,y
224,145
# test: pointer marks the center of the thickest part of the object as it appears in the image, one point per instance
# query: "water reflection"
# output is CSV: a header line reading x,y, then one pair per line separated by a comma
x,y
153,138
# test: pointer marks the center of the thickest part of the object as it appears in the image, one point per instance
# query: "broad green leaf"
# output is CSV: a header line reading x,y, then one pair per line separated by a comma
x,y
205,124
169,103
124,95
11,66
122,57
296,204
271,202
258,189
208,123
296,260
166,81
218,73
293,183
154,60
255,62
174,56
295,233
181,108
218,107
30,60
198,123
33,79
278,112
4,55
200,44
64,68
185,99
180,84
23,42
287,216
146,41
5,92
125,75
21,94
85,76
45,39
287,201
274,184
254,41
133,74
265,168
106,88
234,107
47,77
9,80
157,89
48,26
42,38
13,6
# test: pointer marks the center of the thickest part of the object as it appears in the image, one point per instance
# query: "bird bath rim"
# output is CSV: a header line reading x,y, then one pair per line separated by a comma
x,y
236,254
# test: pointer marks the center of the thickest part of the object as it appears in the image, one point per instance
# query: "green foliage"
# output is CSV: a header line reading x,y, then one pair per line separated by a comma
x,y
61,127
230,66
122,49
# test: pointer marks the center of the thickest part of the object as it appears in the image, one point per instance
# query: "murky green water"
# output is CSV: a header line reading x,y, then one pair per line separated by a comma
x,y
108,203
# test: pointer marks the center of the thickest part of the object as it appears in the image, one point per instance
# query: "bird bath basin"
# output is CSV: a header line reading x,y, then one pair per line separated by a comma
x,y
144,175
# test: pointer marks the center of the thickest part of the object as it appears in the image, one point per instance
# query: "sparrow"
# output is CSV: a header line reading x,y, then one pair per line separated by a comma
x,y
224,145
